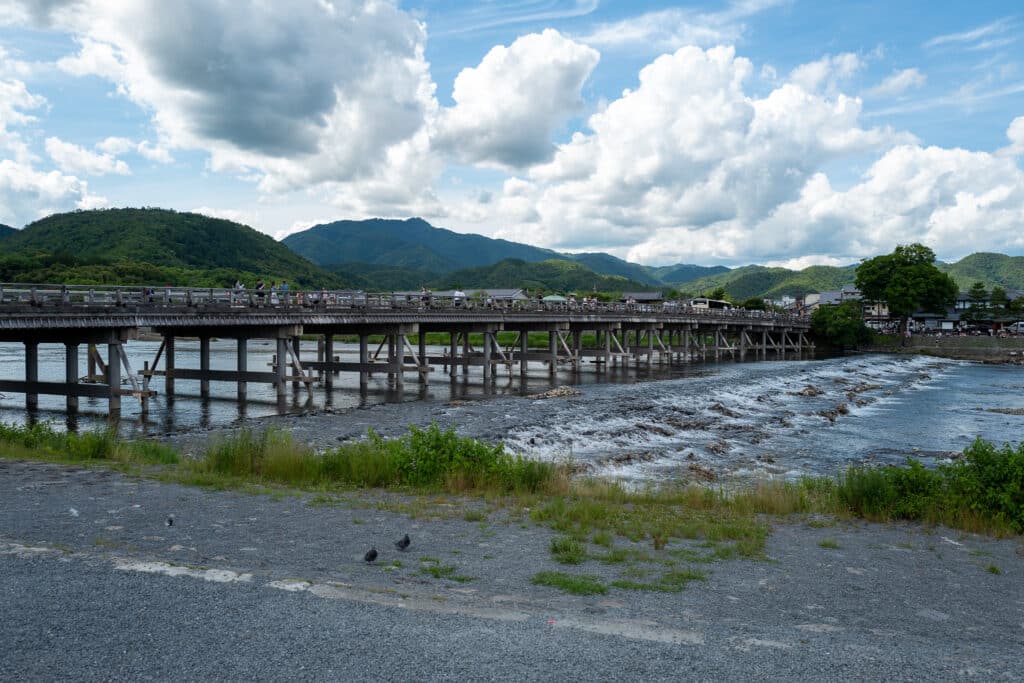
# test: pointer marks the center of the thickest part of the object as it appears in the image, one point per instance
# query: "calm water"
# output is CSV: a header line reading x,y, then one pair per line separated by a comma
x,y
782,418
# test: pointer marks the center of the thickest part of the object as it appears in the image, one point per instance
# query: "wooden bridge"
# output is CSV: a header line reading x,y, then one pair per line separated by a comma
x,y
110,316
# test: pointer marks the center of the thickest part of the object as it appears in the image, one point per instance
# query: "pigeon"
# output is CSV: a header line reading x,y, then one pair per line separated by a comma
x,y
370,555
403,543
170,521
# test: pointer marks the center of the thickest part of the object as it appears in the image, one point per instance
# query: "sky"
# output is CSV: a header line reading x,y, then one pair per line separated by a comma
x,y
781,132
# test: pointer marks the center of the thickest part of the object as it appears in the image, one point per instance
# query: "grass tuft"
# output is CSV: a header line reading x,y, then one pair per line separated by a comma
x,y
577,584
568,550
830,543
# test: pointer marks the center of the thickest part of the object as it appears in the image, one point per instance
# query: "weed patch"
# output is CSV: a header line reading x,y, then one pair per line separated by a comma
x,y
577,584
568,550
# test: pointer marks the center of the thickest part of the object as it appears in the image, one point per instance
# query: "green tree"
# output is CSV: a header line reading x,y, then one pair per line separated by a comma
x,y
841,325
999,303
978,295
753,304
906,280
718,293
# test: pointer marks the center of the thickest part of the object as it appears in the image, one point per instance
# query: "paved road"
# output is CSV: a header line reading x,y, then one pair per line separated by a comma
x,y
95,586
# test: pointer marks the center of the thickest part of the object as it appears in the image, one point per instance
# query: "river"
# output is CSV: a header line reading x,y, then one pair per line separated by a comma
x,y
697,421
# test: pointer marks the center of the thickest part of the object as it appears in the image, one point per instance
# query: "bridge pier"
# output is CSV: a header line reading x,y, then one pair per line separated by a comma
x,y
114,377
71,318
31,373
71,373
168,364
524,354
242,366
204,366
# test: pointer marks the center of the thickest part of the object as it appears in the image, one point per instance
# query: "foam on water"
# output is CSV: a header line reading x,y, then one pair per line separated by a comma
x,y
775,418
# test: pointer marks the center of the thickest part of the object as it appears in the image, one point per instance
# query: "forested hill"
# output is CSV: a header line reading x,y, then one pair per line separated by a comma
x,y
760,281
151,246
417,245
988,268
551,275
411,243
6,231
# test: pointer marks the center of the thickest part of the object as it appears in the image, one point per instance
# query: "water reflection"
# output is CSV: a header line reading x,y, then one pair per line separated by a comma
x,y
187,410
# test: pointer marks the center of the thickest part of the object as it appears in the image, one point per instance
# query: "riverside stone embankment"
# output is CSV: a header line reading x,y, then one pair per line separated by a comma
x,y
985,349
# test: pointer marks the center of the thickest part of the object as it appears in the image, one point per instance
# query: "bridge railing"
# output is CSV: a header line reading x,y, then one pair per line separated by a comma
x,y
54,297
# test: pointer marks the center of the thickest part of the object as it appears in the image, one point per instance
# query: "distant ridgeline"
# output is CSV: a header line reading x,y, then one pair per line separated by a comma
x,y
404,254
151,246
158,246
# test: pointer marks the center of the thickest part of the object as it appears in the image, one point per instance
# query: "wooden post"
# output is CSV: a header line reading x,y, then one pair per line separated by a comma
x,y
390,339
281,367
465,353
650,345
553,352
487,355
607,347
31,373
364,358
168,365
577,348
204,366
329,357
453,339
91,362
422,346
398,358
524,350
114,378
71,373
320,355
243,358
295,347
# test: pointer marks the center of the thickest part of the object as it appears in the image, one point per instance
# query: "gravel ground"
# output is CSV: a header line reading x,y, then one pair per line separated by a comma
x,y
96,585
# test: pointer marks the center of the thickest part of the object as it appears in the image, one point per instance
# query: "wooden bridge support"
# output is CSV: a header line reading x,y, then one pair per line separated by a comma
x,y
619,338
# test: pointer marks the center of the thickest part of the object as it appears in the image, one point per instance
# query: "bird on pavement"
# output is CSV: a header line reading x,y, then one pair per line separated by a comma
x,y
370,555
170,520
403,542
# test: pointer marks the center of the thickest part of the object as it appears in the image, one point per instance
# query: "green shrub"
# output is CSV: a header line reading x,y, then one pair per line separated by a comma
x,y
428,458
990,481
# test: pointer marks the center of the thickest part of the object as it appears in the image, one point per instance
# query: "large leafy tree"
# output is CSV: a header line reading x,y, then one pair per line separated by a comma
x,y
841,325
906,280
978,296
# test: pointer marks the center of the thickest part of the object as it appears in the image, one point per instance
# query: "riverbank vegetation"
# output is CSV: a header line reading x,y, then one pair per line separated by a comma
x,y
982,492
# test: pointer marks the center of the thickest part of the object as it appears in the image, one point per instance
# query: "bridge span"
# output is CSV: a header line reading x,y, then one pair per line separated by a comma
x,y
391,330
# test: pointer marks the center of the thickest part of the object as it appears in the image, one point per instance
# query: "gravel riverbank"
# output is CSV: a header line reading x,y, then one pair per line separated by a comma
x,y
97,585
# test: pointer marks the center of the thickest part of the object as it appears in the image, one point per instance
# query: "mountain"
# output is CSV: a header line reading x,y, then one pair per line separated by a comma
x,y
6,231
152,246
606,264
990,269
760,281
674,275
551,275
377,278
411,243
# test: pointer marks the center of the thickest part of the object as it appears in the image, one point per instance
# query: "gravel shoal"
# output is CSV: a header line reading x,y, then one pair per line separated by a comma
x,y
96,585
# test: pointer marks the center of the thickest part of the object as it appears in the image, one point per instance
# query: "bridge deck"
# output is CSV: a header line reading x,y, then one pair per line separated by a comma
x,y
616,333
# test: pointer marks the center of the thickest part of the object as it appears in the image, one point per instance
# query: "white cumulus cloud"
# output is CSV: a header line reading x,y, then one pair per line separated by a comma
x,y
826,73
324,96
507,108
672,168
72,158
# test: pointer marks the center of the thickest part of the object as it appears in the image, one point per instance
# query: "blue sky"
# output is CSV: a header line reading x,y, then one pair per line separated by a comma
x,y
774,131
